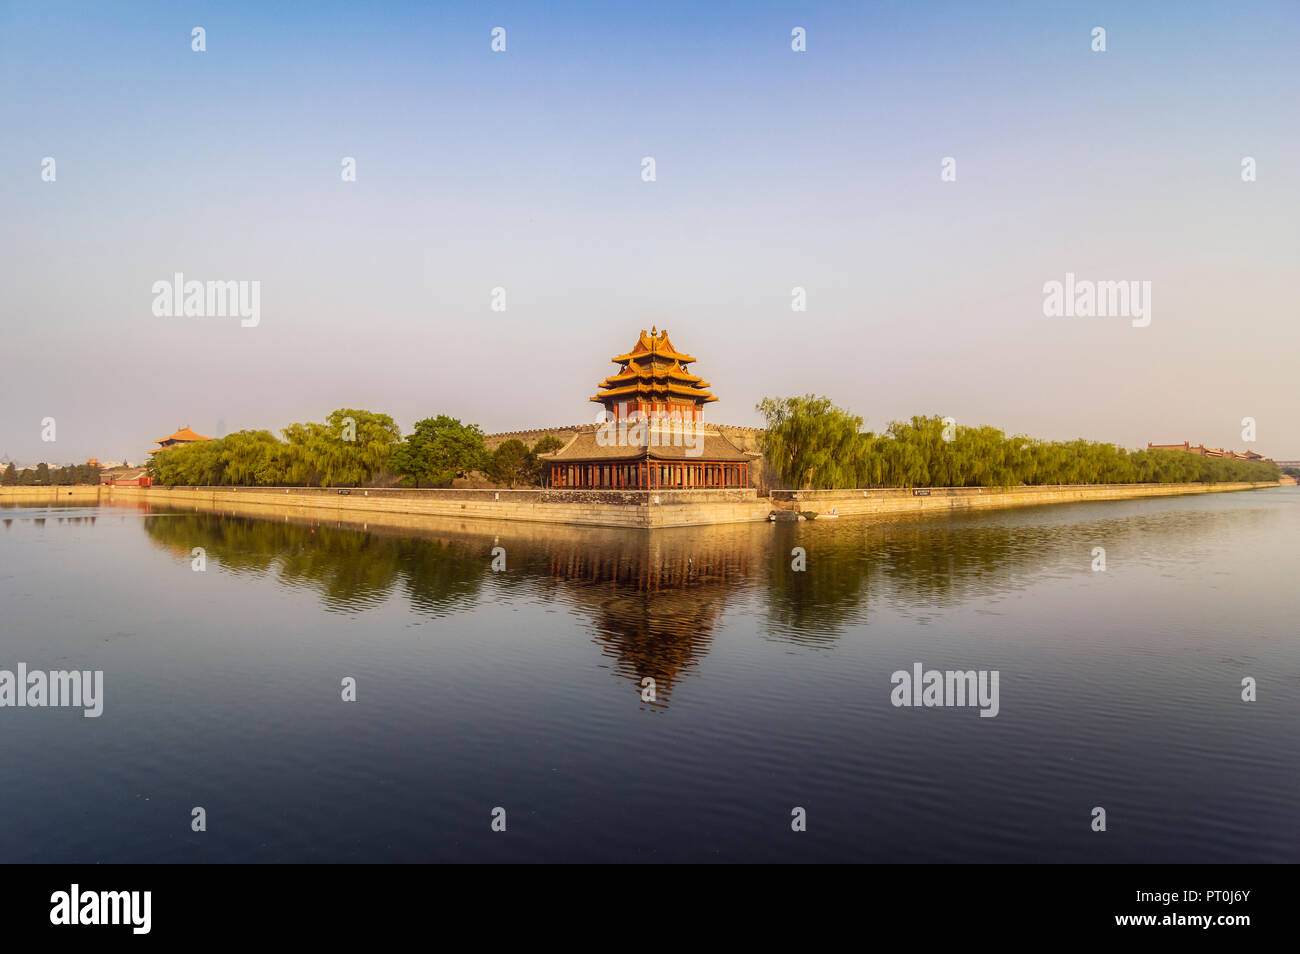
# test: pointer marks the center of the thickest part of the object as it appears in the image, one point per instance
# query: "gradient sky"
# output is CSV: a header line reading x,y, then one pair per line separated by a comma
x,y
522,169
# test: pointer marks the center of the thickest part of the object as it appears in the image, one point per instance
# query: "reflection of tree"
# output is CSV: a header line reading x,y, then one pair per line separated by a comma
x,y
440,575
917,562
349,569
812,605
931,562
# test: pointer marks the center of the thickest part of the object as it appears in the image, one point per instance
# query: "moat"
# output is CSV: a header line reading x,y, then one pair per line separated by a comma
x,y
524,687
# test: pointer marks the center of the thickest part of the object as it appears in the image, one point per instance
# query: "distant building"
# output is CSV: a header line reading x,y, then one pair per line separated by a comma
x,y
1202,451
133,479
182,436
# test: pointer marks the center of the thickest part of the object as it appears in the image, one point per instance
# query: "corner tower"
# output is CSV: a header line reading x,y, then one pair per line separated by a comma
x,y
653,382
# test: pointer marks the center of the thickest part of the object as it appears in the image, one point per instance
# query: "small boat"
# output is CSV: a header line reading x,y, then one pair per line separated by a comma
x,y
834,512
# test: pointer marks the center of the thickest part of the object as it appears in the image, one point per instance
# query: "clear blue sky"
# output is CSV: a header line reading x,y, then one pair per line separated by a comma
x,y
522,169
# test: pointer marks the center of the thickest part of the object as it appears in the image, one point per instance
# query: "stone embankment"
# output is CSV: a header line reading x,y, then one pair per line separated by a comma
x,y
595,508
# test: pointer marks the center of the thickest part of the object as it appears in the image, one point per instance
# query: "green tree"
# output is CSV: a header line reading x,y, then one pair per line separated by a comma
x,y
43,474
351,448
253,458
355,447
439,450
810,442
10,478
512,463
302,453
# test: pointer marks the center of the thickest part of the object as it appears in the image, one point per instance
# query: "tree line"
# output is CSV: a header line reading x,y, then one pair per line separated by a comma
x,y
812,444
352,448
42,475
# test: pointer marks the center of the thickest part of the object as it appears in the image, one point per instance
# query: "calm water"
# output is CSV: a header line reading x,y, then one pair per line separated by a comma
x,y
522,689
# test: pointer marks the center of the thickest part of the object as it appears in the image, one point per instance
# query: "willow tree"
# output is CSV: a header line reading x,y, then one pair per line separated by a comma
x,y
253,458
352,447
194,465
810,442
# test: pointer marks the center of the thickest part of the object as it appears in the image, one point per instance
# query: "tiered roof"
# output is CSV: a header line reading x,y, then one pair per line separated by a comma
x,y
653,371
181,436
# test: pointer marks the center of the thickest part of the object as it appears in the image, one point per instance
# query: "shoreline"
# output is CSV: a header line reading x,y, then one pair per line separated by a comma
x,y
645,510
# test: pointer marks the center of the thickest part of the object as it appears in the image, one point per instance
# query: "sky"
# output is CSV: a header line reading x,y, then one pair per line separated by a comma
x,y
523,170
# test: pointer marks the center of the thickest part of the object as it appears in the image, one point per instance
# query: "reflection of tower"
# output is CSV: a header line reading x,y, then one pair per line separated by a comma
x,y
655,604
